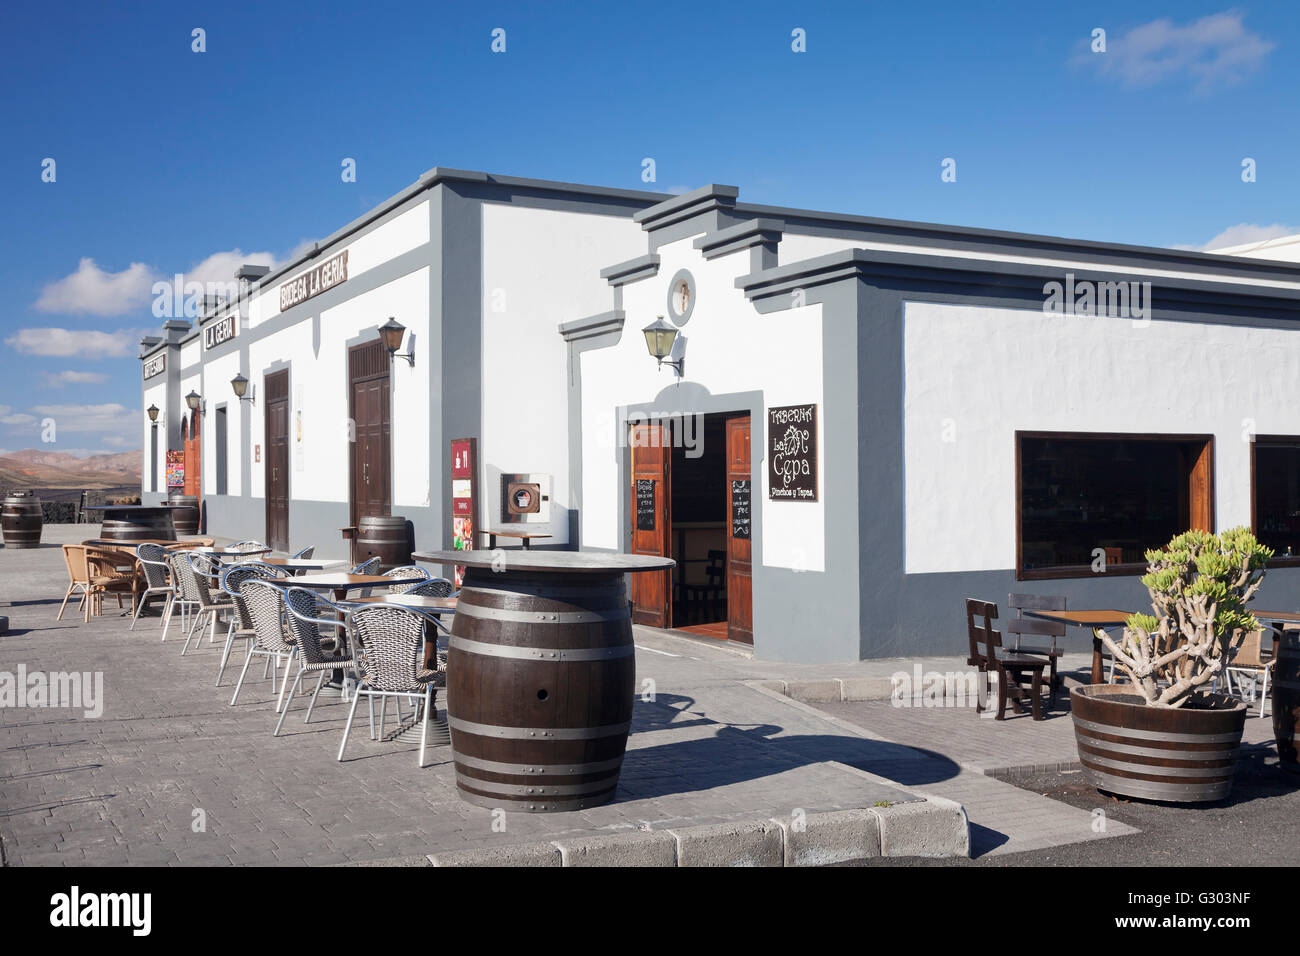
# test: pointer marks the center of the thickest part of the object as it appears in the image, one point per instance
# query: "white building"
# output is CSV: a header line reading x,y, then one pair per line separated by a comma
x,y
861,421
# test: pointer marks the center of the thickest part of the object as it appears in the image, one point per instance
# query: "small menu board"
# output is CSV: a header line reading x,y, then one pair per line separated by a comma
x,y
740,508
645,504
792,453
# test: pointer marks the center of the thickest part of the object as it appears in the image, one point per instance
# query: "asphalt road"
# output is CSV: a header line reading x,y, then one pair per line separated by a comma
x,y
1258,825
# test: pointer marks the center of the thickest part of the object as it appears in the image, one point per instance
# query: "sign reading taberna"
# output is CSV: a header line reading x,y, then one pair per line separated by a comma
x,y
792,453
156,365
313,282
222,330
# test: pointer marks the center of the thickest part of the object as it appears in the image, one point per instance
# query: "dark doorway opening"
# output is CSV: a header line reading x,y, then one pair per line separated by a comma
x,y
699,529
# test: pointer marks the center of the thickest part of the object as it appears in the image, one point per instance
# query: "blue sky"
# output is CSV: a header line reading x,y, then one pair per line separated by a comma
x,y
168,160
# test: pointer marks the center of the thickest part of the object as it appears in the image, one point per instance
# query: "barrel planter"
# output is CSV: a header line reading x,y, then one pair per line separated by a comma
x,y
541,677
1286,699
390,537
185,513
21,520
1179,755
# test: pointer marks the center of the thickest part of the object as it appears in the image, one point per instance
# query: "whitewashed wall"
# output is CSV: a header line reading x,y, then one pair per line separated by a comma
x,y
1071,373
727,348
217,374
540,268
155,394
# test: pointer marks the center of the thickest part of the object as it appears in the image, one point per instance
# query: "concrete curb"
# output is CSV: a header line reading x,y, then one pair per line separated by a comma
x,y
933,827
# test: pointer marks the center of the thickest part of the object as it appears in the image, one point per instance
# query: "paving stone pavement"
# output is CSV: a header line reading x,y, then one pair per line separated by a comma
x,y
171,774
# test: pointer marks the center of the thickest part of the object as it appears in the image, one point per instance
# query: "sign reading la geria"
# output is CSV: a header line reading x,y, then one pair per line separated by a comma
x,y
313,282
156,365
792,453
222,330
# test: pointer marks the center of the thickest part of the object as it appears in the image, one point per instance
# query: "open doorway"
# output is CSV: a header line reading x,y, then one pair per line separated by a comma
x,y
690,501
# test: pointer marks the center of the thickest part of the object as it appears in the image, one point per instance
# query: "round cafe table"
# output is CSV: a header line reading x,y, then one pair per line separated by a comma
x,y
541,675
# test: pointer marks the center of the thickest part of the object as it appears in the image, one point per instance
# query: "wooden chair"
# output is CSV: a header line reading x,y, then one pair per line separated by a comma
x,y
1043,634
1012,670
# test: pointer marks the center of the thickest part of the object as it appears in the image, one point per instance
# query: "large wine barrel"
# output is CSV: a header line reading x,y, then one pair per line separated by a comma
x,y
185,513
556,651
144,524
1181,755
21,520
391,537
1286,699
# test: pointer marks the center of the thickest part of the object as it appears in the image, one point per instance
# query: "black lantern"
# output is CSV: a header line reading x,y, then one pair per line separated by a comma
x,y
152,412
390,333
240,386
660,336
193,400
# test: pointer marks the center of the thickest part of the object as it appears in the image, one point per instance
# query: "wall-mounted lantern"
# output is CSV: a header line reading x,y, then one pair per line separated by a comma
x,y
240,386
194,400
152,412
660,336
390,333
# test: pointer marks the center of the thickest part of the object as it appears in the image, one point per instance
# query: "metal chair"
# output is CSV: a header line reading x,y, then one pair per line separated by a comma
x,y
265,604
368,566
433,587
305,620
1249,661
241,623
306,552
153,562
392,640
74,556
205,577
247,546
185,593
407,573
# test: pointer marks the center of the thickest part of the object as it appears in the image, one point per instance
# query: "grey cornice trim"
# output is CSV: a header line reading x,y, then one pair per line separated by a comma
x,y
593,325
1024,243
642,267
705,199
897,268
744,235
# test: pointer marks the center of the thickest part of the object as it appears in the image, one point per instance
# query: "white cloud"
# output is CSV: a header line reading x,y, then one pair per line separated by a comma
x,y
1245,232
74,343
222,266
9,417
69,377
90,290
107,418
1215,51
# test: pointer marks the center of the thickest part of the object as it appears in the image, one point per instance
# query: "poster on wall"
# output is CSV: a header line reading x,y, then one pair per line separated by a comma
x,y
740,508
792,453
176,469
464,500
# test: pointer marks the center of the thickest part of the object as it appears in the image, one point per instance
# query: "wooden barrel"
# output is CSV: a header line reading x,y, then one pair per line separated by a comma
x,y
391,537
1286,699
21,520
1180,755
557,651
185,513
143,525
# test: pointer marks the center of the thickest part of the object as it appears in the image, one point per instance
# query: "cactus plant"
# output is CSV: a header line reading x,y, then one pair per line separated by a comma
x,y
1199,585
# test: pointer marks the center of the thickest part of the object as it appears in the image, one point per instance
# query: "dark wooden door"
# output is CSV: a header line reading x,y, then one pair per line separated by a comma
x,y
740,581
193,458
651,505
276,388
369,405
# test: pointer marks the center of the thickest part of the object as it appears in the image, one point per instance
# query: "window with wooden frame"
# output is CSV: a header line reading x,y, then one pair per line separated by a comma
x,y
1275,495
1085,498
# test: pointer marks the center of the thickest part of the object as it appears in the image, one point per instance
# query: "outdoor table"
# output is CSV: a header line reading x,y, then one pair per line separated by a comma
x,y
541,675
135,522
1098,620
302,564
525,536
225,552
339,583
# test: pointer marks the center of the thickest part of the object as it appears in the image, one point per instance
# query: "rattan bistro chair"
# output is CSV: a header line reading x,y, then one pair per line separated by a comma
x,y
433,587
185,596
74,556
241,624
368,566
306,553
392,641
205,580
405,575
1249,661
153,562
265,604
306,610
247,546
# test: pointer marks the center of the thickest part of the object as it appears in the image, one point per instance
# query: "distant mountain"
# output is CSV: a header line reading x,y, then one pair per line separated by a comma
x,y
32,468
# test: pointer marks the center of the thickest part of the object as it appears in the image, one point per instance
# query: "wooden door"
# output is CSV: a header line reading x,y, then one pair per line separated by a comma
x,y
740,499
369,405
276,388
651,506
193,461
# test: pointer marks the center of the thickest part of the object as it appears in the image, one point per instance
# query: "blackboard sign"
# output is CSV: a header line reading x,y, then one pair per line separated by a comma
x,y
645,504
740,510
792,453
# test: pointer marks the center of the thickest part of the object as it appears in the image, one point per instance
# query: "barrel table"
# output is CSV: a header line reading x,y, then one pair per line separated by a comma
x,y
1286,699
136,522
541,675
21,520
185,513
